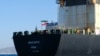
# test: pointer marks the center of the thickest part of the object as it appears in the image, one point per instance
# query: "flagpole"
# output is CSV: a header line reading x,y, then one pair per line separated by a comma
x,y
41,25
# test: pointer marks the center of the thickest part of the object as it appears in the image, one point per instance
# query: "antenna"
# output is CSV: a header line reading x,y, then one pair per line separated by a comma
x,y
36,28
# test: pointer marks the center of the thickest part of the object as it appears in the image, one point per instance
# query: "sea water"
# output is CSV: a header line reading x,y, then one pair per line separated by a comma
x,y
8,54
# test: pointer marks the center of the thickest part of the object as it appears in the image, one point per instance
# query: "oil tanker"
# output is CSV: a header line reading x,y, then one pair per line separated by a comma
x,y
77,32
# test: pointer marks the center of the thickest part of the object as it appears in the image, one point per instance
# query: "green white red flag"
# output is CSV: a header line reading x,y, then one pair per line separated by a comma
x,y
44,22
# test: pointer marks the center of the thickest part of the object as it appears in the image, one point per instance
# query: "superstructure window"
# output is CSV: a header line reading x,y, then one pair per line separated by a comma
x,y
75,2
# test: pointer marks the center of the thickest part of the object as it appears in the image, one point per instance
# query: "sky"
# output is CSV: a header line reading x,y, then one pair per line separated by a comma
x,y
21,15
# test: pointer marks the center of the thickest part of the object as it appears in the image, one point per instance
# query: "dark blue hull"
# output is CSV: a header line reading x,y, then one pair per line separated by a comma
x,y
37,44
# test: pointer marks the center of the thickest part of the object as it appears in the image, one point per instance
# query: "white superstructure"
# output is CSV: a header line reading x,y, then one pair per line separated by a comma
x,y
76,16
80,16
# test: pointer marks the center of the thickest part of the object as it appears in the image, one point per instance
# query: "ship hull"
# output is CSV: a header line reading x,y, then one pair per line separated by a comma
x,y
37,45
58,45
79,45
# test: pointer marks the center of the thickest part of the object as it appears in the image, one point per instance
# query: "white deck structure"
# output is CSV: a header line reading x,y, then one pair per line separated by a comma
x,y
80,16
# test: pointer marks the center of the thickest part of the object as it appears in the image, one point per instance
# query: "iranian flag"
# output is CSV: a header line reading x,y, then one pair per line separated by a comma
x,y
44,22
